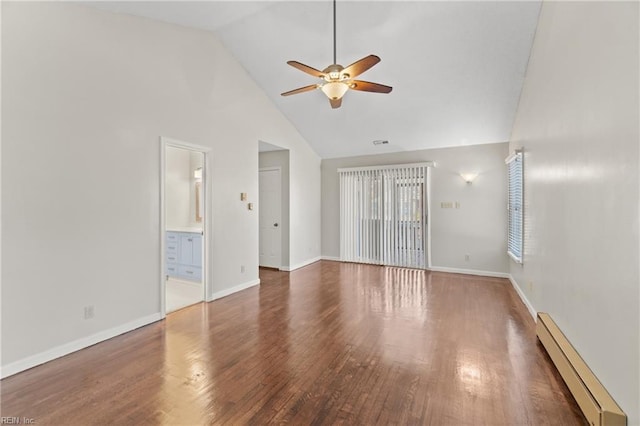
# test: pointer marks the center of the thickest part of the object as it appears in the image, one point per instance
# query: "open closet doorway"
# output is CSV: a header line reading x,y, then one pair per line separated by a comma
x,y
273,205
184,225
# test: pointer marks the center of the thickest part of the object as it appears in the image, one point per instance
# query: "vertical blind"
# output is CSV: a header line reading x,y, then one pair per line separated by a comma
x,y
383,215
514,206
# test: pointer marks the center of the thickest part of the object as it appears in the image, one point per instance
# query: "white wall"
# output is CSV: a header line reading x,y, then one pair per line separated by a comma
x,y
477,228
578,123
304,208
178,188
304,203
86,96
280,159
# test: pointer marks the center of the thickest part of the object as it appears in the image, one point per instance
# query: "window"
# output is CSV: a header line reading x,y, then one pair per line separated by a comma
x,y
383,215
514,206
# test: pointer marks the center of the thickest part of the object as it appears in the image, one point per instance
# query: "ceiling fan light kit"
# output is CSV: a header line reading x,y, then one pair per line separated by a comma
x,y
334,89
337,80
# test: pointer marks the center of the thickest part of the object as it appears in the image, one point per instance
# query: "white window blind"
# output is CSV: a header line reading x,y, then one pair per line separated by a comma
x,y
515,206
383,215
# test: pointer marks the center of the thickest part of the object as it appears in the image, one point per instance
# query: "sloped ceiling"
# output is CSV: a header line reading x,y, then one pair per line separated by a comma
x,y
456,68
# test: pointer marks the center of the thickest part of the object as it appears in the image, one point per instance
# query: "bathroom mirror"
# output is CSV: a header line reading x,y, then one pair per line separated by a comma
x,y
198,202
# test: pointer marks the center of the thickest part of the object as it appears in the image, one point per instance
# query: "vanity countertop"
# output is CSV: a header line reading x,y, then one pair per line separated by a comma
x,y
192,230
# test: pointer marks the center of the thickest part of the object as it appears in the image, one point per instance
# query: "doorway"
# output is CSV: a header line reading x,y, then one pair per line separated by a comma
x,y
273,206
184,224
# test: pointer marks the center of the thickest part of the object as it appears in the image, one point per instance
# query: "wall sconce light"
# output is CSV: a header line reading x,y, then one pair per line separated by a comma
x,y
468,177
197,173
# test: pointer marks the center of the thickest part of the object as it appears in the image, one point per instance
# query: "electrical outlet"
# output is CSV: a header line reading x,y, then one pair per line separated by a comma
x,y
530,286
242,269
89,312
457,204
467,257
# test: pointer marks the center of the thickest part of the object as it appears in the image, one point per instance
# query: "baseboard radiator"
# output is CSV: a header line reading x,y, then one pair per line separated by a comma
x,y
597,405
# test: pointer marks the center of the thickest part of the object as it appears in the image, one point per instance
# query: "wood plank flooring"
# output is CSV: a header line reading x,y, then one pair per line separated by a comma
x,y
332,343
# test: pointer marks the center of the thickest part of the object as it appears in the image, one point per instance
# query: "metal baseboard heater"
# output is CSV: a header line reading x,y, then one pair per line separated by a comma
x,y
596,404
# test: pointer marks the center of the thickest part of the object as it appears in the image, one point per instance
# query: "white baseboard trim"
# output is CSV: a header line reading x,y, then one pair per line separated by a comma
x,y
332,258
300,265
67,348
470,272
229,291
192,284
524,299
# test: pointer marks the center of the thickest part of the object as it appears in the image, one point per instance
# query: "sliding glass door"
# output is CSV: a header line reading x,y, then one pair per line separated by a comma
x,y
383,215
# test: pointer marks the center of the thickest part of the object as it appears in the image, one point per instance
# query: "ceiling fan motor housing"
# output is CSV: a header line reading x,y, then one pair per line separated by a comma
x,y
334,73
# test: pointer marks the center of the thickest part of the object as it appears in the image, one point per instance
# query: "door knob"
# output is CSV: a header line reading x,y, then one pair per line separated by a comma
x,y
275,224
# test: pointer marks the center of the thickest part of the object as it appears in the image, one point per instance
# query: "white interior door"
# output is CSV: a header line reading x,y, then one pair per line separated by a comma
x,y
269,206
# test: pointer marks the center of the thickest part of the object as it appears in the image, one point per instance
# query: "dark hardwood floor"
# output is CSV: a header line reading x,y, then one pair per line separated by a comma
x,y
330,343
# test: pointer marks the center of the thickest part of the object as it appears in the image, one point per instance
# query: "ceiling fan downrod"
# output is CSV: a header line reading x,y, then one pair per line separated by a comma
x,y
336,80
335,61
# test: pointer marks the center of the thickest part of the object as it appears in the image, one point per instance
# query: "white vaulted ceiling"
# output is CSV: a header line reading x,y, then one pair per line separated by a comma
x,y
456,67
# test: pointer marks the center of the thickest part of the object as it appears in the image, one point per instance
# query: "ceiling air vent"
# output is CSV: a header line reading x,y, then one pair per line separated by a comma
x,y
380,142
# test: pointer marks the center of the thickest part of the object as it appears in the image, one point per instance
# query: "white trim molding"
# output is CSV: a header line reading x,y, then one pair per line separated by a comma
x,y
524,299
469,272
67,348
270,169
513,155
388,166
301,265
331,258
229,291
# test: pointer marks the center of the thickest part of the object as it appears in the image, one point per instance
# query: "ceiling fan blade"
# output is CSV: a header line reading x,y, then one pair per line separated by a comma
x,y
361,66
300,90
365,86
335,103
306,68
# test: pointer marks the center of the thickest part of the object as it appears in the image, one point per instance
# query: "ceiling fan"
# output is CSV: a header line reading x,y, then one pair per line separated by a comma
x,y
336,79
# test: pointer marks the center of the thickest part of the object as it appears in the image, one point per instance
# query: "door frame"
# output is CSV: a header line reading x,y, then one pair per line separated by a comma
x,y
427,203
207,217
279,170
